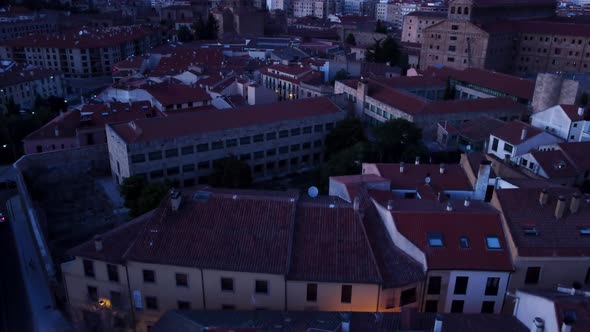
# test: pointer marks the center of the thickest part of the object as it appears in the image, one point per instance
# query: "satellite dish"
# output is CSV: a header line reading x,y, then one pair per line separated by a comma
x,y
313,191
427,180
469,147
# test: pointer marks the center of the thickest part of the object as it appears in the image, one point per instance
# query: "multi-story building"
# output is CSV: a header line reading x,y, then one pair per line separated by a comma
x,y
414,24
15,27
294,81
23,83
359,7
213,249
568,122
384,10
274,139
304,8
400,10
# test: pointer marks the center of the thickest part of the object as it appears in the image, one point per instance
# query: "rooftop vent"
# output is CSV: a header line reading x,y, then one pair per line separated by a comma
x,y
402,165
175,199
442,169
523,134
449,207
543,197
560,207
575,203
104,113
202,196
98,243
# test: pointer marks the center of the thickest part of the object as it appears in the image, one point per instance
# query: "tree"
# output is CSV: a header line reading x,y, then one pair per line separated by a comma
x,y
184,34
347,133
380,27
212,27
150,198
208,30
385,50
131,189
350,40
342,74
230,172
398,140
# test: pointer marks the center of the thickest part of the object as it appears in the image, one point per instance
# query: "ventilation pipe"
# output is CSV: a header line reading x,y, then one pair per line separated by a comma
x,y
442,169
543,196
523,134
389,205
98,243
575,203
538,325
560,207
417,162
467,201
402,165
175,199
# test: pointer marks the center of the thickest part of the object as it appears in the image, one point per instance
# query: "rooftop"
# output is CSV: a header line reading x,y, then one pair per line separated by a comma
x,y
476,130
555,164
14,74
511,132
168,93
414,176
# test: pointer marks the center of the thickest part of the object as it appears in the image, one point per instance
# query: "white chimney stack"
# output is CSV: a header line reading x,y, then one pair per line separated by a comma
x,y
442,169
523,134
449,207
389,205
565,327
401,167
538,325
581,111
560,207
438,323
56,131
175,199
543,197
575,203
467,201
98,243
417,161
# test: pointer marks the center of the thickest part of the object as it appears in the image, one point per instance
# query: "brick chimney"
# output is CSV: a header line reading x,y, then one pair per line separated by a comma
x,y
523,134
575,203
543,196
560,207
98,243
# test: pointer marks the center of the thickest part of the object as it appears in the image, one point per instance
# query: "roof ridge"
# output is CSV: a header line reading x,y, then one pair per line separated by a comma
x,y
363,194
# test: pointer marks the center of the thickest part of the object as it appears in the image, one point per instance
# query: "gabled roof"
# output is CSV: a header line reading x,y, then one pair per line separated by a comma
x,y
175,93
20,73
554,163
562,302
413,177
511,132
452,226
554,237
478,129
572,112
577,153
62,126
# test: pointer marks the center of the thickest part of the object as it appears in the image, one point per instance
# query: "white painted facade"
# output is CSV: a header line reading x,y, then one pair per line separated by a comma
x,y
555,121
476,286
529,306
501,149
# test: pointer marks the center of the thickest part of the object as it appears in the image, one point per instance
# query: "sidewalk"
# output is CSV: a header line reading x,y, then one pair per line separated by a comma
x,y
45,317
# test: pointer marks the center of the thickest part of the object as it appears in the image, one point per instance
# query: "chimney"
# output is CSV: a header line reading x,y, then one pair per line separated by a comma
x,y
442,169
356,204
543,197
56,131
483,179
467,201
575,203
389,205
438,323
407,317
581,111
538,325
560,207
98,243
523,134
449,207
401,167
175,199
345,326
566,326
417,160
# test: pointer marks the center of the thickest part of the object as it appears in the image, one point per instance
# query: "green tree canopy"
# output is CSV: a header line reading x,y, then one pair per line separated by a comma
x,y
342,74
350,39
380,27
151,197
347,133
385,50
131,188
398,140
184,34
230,172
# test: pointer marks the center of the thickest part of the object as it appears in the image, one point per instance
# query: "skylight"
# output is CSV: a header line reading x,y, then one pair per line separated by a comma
x,y
464,242
530,230
435,240
493,242
584,230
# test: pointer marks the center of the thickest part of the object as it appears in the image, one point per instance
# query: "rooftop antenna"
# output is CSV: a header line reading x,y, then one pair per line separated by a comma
x,y
313,191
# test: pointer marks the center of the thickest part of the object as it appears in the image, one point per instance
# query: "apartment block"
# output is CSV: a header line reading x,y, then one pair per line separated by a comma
x,y
275,139
414,24
23,83
294,81
15,27
305,8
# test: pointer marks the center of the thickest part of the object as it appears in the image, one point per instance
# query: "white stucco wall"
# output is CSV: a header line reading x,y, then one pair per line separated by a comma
x,y
475,294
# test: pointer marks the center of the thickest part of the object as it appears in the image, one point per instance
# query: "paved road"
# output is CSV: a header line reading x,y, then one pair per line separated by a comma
x,y
15,315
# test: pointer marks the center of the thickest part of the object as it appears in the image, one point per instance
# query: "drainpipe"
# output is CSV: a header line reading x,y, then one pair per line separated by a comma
x,y
131,299
203,290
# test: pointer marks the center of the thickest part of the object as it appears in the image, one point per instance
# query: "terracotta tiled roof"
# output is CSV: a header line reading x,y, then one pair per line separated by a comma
x,y
418,13
511,132
176,93
454,177
477,129
473,105
416,226
577,303
209,121
330,244
513,2
572,112
577,153
554,237
289,69
20,73
65,124
555,164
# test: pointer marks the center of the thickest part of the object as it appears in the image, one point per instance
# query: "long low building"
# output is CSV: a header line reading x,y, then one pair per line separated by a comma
x,y
275,139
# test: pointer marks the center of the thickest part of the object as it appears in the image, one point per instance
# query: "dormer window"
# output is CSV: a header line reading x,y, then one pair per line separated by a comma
x,y
530,230
435,240
464,242
493,242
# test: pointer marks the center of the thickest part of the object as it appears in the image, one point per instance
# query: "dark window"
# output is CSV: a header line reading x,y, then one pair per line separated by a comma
x,y
203,165
149,276
203,147
227,284
307,130
228,307
461,285
487,307
245,140
454,27
434,285
407,297
318,128
283,133
495,144
217,145
508,148
116,299
295,131
92,293
431,306
187,150
330,126
295,147
188,168
172,171
258,154
88,268
261,287
113,272
245,156
184,305
464,242
258,138
492,286
312,292
231,142
151,302
170,153
271,152
155,155
306,146
435,240
317,144
138,158
346,294
457,306
181,280
283,149
532,275
271,136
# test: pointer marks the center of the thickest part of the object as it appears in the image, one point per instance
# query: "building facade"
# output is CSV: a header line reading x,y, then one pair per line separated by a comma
x,y
24,83
414,24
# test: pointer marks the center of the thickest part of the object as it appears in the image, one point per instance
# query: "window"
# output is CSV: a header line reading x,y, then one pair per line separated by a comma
x,y
258,138
435,239
587,278
318,128
217,145
187,150
283,133
295,131
188,168
228,307
307,130
457,306
452,48
461,285
493,242
454,27
495,144
113,272
227,284
92,293
464,242
346,294
530,230
329,126
172,171
181,280
434,285
295,147
231,142
149,276
88,268
312,292
184,305
487,307
203,165
492,286
407,297
261,287
532,275
271,136
203,147
171,153
453,37
431,306
116,299
508,148
155,155
151,302
245,140
271,152
452,10
137,158
584,230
